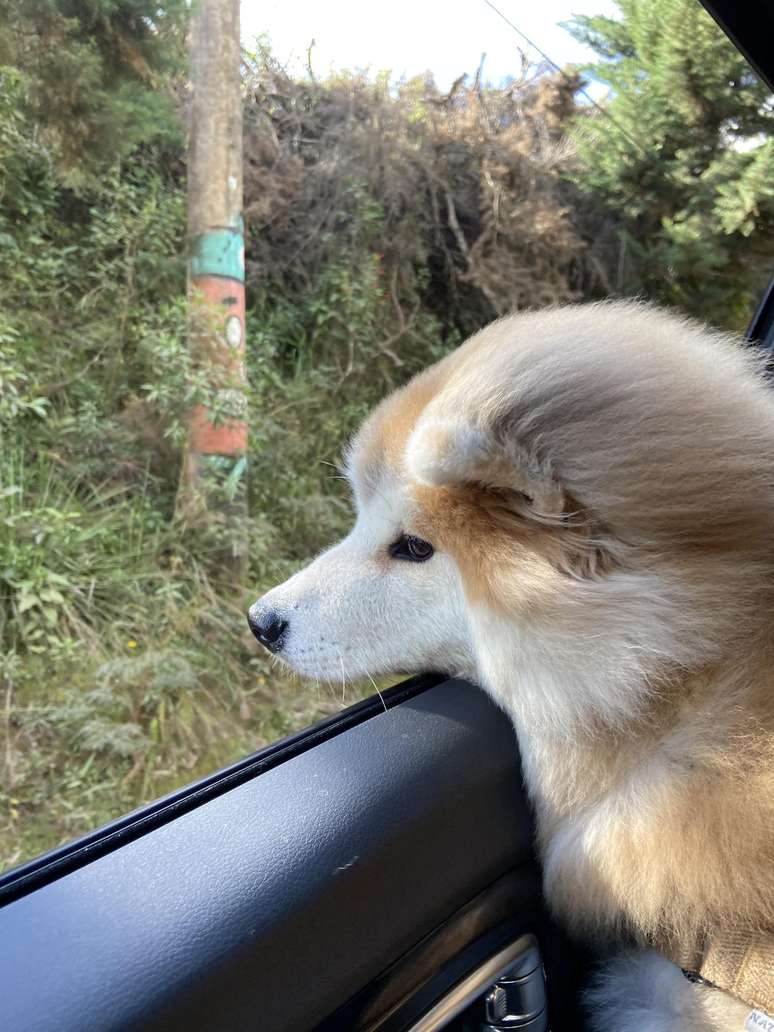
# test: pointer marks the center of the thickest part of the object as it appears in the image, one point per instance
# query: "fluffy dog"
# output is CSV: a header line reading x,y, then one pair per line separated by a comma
x,y
575,509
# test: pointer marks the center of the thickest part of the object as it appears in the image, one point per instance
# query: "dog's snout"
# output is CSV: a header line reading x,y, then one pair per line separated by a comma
x,y
269,628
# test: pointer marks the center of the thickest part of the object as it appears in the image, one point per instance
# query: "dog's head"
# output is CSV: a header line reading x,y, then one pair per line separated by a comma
x,y
569,506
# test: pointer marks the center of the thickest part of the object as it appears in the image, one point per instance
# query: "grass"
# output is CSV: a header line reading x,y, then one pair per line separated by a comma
x,y
126,668
117,733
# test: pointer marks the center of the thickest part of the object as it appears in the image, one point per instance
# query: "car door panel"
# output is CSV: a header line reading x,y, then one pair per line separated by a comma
x,y
276,902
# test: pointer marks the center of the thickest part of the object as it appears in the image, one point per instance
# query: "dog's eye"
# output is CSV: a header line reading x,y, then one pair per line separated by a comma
x,y
412,548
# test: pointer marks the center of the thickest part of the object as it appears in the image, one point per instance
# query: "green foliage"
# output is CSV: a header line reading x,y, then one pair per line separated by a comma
x,y
95,75
101,593
68,553
320,360
686,158
16,398
131,706
82,279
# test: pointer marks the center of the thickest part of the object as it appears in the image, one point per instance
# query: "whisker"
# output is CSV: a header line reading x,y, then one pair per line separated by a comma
x,y
376,689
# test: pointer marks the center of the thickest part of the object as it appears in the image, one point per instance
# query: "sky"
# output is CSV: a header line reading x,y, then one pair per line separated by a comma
x,y
409,37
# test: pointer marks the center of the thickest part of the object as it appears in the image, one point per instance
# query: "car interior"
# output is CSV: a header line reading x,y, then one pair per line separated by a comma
x,y
376,872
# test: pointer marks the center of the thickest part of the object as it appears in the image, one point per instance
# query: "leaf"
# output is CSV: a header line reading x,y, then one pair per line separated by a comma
x,y
57,578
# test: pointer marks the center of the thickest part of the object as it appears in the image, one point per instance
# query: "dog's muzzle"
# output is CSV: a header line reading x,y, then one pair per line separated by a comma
x,y
269,628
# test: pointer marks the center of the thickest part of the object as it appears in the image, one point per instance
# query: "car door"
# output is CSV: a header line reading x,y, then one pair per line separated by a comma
x,y
374,872
346,878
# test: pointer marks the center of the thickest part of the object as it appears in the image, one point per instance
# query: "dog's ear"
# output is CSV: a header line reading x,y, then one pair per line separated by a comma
x,y
515,486
449,454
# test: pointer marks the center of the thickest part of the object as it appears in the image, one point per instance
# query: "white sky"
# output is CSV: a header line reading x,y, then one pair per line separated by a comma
x,y
409,37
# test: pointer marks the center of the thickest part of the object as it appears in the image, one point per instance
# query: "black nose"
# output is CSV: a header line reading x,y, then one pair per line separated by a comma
x,y
269,629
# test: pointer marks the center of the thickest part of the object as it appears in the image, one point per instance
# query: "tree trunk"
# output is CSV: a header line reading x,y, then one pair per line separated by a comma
x,y
213,486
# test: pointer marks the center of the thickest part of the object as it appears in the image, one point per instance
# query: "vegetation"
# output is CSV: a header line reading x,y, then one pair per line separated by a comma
x,y
97,75
385,223
686,161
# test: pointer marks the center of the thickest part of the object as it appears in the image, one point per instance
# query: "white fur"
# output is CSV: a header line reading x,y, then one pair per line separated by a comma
x,y
350,607
642,992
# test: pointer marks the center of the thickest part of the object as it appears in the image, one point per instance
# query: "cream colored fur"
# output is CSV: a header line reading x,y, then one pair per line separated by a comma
x,y
598,482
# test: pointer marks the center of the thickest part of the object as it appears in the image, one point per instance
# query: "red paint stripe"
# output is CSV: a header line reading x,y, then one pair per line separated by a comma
x,y
227,438
224,298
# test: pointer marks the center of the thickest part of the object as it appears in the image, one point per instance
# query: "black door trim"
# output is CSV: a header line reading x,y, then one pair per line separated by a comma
x,y
749,24
284,896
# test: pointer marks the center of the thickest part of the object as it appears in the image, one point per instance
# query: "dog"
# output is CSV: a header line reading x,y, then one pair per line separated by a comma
x,y
575,510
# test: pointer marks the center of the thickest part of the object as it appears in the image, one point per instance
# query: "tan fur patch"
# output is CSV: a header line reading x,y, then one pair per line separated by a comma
x,y
381,441
494,542
667,828
504,563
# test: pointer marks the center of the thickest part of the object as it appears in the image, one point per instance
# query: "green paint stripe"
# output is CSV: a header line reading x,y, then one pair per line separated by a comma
x,y
240,467
220,252
235,465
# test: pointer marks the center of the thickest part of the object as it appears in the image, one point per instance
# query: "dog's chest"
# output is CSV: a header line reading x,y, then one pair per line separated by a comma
x,y
597,829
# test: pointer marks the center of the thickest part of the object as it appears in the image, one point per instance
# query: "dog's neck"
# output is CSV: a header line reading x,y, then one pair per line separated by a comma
x,y
593,719
643,822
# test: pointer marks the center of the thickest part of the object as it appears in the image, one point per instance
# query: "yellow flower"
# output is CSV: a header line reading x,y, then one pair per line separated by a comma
x,y
131,644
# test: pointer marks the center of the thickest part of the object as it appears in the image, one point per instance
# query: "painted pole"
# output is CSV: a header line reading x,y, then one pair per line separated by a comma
x,y
213,487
